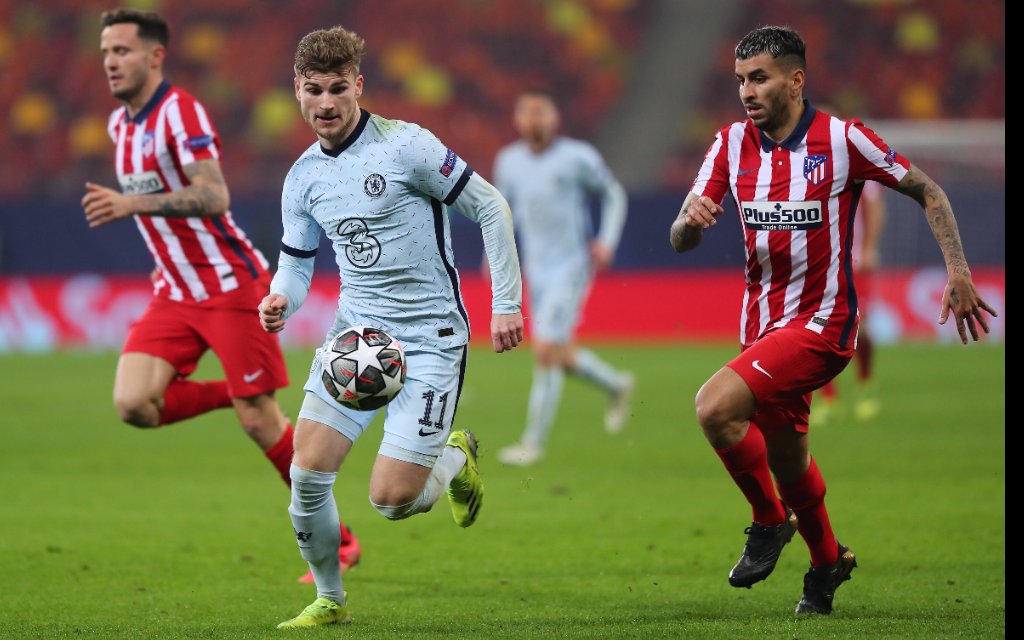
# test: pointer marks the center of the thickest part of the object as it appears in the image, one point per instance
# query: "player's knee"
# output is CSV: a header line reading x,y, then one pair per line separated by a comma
x,y
396,508
718,419
137,411
393,496
710,409
252,424
259,420
549,355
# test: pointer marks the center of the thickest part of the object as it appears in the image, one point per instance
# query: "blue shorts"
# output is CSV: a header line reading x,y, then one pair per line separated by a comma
x,y
417,421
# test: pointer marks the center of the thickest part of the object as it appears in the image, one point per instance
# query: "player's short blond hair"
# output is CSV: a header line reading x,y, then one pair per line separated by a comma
x,y
334,50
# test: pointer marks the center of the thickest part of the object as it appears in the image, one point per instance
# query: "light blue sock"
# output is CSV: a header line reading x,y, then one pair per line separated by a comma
x,y
317,528
545,394
595,370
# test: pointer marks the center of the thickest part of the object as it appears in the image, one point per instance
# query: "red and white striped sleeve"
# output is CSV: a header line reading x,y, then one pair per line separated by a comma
x,y
190,128
871,158
713,178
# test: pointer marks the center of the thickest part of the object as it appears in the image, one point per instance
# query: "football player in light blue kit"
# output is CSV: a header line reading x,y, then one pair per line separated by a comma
x,y
547,179
380,189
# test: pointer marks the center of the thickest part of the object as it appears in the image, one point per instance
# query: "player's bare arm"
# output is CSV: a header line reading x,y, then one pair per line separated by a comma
x,y
506,331
272,309
960,296
206,195
697,214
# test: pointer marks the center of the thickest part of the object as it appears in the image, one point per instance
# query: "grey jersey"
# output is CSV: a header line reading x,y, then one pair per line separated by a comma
x,y
548,193
382,198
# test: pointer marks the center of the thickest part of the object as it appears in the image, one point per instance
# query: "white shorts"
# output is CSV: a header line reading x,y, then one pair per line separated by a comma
x,y
417,421
556,304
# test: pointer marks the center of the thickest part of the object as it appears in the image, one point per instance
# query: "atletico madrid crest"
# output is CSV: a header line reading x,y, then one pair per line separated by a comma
x,y
816,169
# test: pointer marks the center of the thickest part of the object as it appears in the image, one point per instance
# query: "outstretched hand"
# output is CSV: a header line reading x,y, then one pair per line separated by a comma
x,y
961,297
272,310
506,331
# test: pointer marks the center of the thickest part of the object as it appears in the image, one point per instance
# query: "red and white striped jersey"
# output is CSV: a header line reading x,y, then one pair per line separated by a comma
x,y
797,201
197,257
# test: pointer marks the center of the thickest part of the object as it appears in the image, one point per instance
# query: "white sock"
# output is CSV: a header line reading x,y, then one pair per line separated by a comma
x,y
317,528
545,394
595,370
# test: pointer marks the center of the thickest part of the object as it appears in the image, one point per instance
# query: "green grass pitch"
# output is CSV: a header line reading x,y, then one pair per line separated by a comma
x,y
111,532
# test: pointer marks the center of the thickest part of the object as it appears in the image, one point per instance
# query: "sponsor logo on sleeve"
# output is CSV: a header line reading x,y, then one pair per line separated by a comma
x,y
134,184
816,169
449,163
199,142
782,215
890,157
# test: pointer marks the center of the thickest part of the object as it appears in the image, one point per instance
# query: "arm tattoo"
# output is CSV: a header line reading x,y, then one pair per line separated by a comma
x,y
939,214
206,195
683,236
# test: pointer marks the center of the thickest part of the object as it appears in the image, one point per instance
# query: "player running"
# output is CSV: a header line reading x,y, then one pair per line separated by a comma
x,y
796,175
380,190
208,275
548,180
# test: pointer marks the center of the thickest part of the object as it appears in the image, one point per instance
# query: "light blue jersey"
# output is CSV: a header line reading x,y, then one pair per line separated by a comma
x,y
548,193
382,198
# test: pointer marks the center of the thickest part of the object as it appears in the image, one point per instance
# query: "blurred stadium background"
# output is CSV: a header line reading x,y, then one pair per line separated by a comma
x,y
106,532
648,81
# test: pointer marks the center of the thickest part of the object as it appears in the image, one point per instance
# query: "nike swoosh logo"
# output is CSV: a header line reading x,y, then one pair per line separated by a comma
x,y
758,367
249,377
313,200
743,172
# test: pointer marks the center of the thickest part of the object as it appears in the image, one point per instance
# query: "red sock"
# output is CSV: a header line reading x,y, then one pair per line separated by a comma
x,y
806,497
187,398
829,391
280,455
747,463
346,535
865,357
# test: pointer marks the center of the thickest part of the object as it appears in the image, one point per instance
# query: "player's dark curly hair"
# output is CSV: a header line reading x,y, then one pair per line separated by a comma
x,y
151,26
778,42
334,50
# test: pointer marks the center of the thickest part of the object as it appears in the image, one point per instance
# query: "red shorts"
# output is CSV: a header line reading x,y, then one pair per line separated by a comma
x,y
782,368
181,333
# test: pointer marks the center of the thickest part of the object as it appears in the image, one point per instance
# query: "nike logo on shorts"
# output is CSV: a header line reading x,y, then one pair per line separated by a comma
x,y
313,200
756,365
249,377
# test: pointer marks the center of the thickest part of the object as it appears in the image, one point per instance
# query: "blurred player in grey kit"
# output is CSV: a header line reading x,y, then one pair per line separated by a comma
x,y
548,179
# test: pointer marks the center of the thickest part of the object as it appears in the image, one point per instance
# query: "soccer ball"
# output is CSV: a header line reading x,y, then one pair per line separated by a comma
x,y
363,368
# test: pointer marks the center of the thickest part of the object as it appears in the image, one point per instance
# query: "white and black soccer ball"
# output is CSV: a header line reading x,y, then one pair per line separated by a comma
x,y
363,368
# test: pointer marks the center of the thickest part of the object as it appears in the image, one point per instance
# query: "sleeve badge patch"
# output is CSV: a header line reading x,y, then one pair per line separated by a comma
x,y
199,142
449,163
